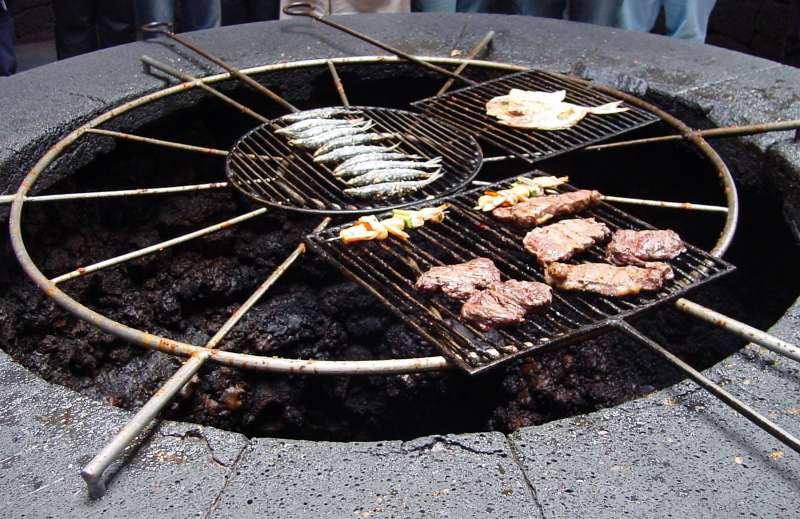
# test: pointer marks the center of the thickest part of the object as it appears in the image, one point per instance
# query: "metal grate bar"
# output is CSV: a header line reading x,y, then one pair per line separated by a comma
x,y
390,269
466,109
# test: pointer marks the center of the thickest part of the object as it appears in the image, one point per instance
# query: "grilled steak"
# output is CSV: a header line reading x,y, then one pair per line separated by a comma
x,y
639,247
505,304
537,210
608,280
562,240
461,280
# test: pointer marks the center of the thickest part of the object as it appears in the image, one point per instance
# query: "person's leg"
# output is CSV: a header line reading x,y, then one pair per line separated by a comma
x,y
262,10
434,6
201,14
598,12
153,11
8,58
541,8
688,19
116,22
76,32
639,15
473,6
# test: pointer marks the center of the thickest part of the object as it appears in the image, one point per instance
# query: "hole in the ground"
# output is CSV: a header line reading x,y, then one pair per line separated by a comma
x,y
313,312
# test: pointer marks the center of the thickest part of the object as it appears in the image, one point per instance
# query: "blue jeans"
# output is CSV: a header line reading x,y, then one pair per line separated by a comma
x,y
8,58
451,6
196,14
686,19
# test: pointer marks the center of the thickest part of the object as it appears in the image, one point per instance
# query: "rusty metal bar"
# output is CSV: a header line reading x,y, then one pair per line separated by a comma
x,y
306,9
163,28
179,74
7,199
741,329
93,472
734,403
158,247
477,49
728,131
157,142
671,205
337,82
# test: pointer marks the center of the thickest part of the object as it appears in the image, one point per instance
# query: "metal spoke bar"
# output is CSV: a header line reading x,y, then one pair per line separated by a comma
x,y
7,199
306,9
337,82
163,28
734,403
477,49
158,247
672,205
728,131
93,472
179,74
157,142
741,329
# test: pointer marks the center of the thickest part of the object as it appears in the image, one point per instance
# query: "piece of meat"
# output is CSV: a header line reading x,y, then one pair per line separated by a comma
x,y
608,280
640,247
505,304
461,280
537,210
562,240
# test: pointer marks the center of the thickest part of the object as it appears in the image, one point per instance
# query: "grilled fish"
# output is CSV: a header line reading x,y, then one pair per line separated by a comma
x,y
372,165
391,189
381,176
315,124
348,152
365,157
354,140
323,138
318,113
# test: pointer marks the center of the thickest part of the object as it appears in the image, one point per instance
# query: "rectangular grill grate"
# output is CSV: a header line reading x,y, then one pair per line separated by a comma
x,y
466,109
390,268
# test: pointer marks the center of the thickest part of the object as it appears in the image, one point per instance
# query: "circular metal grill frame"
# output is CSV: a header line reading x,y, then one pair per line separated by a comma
x,y
458,139
276,364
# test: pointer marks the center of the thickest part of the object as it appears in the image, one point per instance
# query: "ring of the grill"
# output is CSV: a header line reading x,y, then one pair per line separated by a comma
x,y
390,268
466,109
292,181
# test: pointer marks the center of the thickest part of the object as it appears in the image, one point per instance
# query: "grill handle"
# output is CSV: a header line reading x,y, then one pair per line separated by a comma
x,y
307,10
715,389
165,28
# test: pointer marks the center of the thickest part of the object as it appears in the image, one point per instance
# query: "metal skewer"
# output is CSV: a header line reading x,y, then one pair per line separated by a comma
x,y
728,131
93,472
306,9
164,28
157,142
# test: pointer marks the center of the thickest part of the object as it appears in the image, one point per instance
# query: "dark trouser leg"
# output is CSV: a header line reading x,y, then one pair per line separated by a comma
x,y
201,14
154,11
115,22
262,10
599,12
75,27
8,59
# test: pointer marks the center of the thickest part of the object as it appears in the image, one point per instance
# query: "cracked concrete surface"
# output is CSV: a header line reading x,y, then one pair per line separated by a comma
x,y
677,453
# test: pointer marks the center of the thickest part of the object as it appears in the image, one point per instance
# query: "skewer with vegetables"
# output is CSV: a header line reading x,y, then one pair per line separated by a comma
x,y
522,189
369,228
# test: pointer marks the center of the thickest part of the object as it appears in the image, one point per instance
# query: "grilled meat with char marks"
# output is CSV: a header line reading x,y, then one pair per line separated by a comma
x,y
505,304
461,280
640,247
608,280
537,210
562,240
